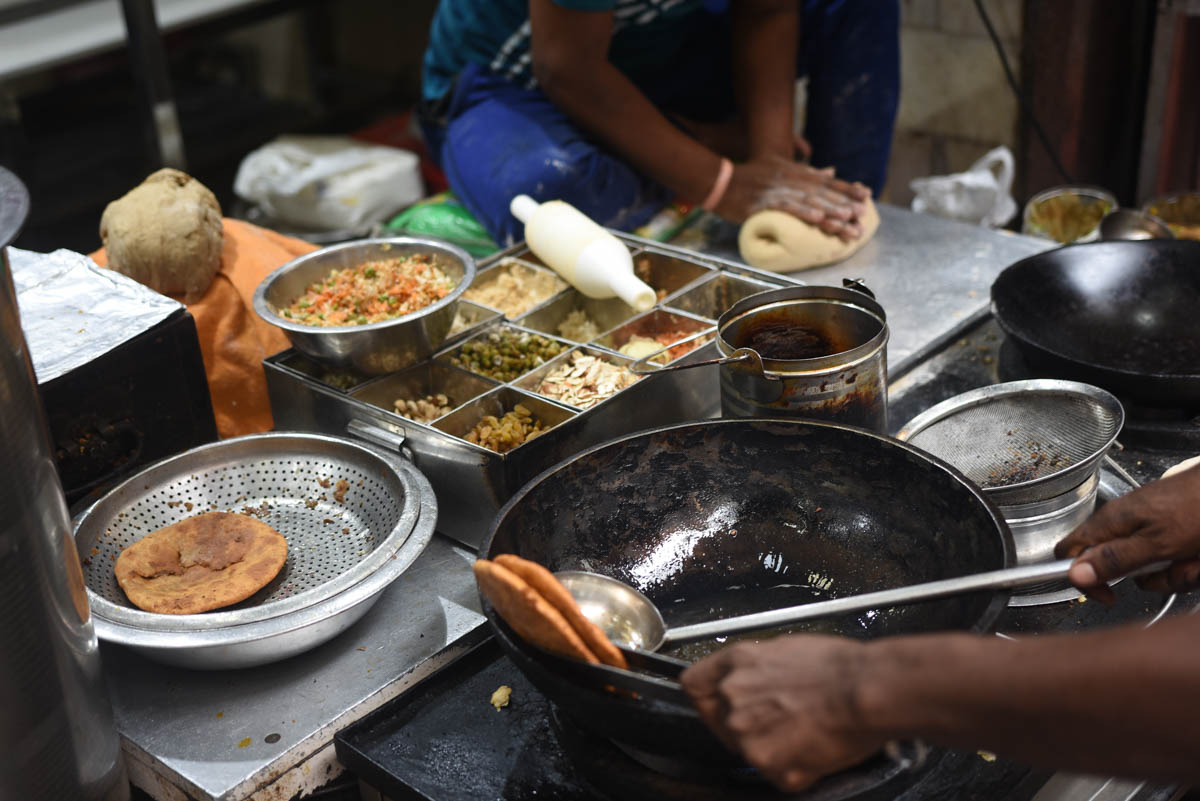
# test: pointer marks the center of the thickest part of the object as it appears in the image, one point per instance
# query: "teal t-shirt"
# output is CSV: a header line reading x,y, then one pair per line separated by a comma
x,y
495,34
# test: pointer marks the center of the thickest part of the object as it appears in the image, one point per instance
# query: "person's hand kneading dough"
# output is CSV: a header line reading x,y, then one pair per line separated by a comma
x,y
775,239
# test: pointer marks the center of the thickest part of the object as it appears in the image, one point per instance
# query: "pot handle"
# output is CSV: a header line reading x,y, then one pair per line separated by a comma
x,y
857,285
642,365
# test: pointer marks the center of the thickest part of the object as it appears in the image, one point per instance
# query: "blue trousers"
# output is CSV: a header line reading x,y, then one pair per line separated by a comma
x,y
495,139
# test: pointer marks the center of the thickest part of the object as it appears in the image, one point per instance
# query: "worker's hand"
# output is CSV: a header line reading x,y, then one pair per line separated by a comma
x,y
1159,522
789,706
812,195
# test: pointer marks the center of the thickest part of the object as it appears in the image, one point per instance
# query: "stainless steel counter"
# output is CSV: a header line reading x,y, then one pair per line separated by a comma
x,y
213,735
931,275
268,732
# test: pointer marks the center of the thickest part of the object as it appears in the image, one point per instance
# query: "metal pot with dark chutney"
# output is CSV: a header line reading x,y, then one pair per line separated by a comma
x,y
813,351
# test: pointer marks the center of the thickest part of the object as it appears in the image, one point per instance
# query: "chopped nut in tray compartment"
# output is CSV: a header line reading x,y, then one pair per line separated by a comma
x,y
502,435
424,410
515,288
585,380
506,354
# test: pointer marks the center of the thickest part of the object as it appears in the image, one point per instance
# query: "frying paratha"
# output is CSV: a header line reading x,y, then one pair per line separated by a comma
x,y
528,613
550,588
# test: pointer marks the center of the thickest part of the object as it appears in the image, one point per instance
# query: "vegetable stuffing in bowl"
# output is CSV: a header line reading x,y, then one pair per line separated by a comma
x,y
377,290
373,305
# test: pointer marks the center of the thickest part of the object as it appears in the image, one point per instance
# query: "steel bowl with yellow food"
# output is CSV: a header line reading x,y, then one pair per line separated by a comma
x,y
1067,214
1181,213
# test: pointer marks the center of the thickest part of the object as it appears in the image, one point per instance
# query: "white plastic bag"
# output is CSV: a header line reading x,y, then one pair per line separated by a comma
x,y
329,182
981,195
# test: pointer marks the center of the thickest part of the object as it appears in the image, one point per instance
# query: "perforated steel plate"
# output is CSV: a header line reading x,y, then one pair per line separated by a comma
x,y
341,507
1021,441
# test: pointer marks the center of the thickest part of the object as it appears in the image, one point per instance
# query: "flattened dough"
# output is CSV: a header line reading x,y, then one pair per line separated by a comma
x,y
777,241
204,562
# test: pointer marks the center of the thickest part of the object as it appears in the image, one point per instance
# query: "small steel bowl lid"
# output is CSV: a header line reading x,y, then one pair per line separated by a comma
x,y
264,302
1021,441
331,546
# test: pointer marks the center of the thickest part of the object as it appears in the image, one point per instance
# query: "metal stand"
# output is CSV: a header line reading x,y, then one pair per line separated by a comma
x,y
149,61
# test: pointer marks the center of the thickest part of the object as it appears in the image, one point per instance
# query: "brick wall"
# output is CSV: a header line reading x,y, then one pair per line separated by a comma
x,y
955,104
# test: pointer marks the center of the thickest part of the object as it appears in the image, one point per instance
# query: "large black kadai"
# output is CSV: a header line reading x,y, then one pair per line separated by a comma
x,y
723,517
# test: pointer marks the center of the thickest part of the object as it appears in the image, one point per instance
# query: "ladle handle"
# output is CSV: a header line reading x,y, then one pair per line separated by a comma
x,y
992,580
642,365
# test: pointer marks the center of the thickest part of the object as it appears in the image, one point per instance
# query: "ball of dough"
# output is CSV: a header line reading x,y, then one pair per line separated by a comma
x,y
165,233
777,241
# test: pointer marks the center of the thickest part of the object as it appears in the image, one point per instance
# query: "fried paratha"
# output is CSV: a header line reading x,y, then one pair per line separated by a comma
x,y
201,563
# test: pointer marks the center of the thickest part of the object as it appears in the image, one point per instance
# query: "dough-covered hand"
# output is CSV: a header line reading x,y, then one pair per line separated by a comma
x,y
789,706
812,195
1159,522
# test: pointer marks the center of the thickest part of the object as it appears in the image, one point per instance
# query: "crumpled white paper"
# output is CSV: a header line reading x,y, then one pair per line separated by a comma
x,y
981,195
329,183
74,311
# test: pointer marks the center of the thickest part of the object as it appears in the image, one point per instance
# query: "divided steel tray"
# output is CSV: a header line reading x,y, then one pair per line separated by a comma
x,y
472,482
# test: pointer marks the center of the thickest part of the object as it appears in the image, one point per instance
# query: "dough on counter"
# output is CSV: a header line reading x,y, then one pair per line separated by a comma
x,y
777,241
165,233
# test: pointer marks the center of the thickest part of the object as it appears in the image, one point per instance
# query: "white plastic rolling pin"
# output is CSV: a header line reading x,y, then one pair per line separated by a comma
x,y
591,259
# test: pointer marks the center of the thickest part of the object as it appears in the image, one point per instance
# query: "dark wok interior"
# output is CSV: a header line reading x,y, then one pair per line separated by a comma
x,y
721,518
729,516
1118,306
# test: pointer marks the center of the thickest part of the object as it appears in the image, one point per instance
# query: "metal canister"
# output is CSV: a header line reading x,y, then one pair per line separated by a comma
x,y
57,736
841,378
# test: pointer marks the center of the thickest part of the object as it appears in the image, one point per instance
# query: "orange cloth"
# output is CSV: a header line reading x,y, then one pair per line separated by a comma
x,y
233,339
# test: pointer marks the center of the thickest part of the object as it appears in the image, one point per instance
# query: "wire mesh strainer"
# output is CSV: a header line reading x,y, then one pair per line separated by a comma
x,y
1022,441
342,508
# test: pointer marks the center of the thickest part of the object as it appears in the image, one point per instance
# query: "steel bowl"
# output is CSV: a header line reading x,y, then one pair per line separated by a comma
x,y
1180,211
372,348
1133,224
1038,221
278,638
341,553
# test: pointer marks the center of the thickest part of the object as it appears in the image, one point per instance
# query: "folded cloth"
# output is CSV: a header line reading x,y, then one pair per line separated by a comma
x,y
233,339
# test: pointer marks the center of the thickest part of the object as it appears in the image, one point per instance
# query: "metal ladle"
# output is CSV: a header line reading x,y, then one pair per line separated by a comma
x,y
630,618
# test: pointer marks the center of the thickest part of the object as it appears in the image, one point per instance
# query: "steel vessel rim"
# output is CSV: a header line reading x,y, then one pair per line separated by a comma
x,y
268,313
248,633
106,610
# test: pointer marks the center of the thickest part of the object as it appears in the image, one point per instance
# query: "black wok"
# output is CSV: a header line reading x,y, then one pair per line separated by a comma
x,y
1124,316
727,516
